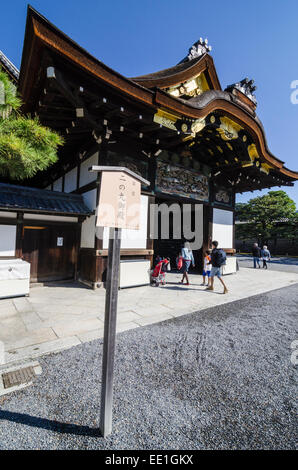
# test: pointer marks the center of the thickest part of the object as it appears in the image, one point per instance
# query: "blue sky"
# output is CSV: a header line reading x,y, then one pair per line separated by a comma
x,y
257,39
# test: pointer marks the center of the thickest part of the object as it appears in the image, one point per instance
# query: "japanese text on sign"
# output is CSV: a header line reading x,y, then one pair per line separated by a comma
x,y
119,202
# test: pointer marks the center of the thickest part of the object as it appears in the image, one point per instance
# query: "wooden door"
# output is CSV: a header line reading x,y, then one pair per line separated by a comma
x,y
51,250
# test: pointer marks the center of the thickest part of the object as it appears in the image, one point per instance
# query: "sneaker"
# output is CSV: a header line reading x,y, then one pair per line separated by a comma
x,y
210,288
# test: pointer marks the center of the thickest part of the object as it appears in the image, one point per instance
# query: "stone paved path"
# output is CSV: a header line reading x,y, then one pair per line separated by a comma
x,y
57,317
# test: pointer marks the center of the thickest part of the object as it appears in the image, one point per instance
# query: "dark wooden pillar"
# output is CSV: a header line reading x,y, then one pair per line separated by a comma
x,y
207,230
150,241
19,235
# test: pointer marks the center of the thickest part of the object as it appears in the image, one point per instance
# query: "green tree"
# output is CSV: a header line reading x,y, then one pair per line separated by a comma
x,y
25,145
267,217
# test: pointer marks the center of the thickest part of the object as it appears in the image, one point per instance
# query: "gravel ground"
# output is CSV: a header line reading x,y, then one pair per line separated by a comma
x,y
289,265
218,379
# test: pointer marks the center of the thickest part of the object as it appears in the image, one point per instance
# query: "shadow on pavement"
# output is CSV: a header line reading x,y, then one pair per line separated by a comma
x,y
178,288
49,425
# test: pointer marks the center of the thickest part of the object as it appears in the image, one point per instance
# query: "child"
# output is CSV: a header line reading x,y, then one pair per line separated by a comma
x,y
159,272
207,268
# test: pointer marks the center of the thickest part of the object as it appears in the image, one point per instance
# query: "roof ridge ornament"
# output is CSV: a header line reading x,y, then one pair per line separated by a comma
x,y
198,49
246,87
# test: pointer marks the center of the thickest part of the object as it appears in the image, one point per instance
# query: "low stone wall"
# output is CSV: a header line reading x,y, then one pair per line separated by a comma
x,y
279,247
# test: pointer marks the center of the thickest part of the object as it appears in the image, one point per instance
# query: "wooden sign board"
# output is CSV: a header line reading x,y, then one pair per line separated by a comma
x,y
119,201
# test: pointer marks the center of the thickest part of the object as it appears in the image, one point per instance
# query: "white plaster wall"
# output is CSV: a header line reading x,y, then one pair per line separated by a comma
x,y
70,180
53,218
8,240
90,199
132,239
223,228
88,232
10,215
86,176
88,226
57,186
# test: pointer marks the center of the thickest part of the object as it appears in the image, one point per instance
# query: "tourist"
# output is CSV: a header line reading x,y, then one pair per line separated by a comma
x,y
218,259
256,252
188,259
207,268
266,256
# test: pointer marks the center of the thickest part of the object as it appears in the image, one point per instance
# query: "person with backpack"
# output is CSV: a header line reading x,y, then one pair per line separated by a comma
x,y
218,259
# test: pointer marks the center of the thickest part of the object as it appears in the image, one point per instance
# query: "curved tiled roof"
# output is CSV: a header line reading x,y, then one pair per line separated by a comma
x,y
148,91
181,72
23,198
167,72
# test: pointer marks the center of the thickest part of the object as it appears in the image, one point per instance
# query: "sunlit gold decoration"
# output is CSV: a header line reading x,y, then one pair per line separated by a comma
x,y
197,126
228,129
193,87
165,119
219,149
246,164
211,152
212,119
229,146
188,137
265,168
252,152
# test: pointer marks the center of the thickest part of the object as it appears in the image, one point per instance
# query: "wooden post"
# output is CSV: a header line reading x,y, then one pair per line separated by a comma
x,y
110,331
106,196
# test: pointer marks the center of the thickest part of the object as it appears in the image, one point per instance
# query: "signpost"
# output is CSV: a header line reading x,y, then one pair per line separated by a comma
x,y
119,208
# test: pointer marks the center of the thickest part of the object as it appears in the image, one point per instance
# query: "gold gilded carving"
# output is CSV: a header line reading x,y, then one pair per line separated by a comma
x,y
228,129
193,87
265,168
165,119
252,152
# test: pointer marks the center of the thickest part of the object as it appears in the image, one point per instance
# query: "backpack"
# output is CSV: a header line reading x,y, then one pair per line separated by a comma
x,y
221,258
